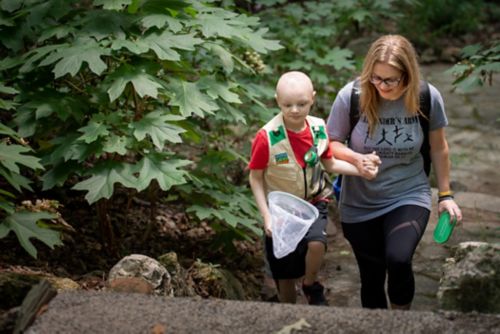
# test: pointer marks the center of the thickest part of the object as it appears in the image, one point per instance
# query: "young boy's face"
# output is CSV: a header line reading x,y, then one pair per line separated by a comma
x,y
295,100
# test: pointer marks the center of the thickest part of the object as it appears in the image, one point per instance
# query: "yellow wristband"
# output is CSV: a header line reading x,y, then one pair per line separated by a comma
x,y
445,193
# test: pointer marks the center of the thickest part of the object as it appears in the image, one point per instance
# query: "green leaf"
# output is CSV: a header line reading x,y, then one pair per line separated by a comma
x,y
16,180
163,44
225,56
217,90
9,208
160,20
35,55
115,144
5,130
70,59
489,67
165,172
257,41
24,225
144,83
7,90
103,178
10,5
58,174
470,83
58,32
11,155
338,58
190,99
112,4
136,47
470,50
232,114
155,125
92,131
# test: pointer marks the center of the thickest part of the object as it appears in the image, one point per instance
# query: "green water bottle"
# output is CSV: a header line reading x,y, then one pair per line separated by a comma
x,y
444,228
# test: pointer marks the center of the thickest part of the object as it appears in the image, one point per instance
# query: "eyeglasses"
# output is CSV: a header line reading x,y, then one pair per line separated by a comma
x,y
389,82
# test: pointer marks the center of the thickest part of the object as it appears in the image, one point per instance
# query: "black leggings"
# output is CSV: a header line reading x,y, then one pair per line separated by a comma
x,y
383,245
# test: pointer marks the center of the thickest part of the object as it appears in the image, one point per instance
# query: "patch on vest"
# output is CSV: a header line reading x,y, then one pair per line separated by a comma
x,y
281,158
277,135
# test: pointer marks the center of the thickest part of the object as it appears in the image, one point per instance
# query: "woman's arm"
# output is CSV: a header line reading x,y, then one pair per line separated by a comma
x,y
441,163
256,179
366,164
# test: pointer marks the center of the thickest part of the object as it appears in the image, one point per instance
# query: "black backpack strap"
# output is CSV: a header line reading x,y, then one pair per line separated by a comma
x,y
353,120
354,110
424,118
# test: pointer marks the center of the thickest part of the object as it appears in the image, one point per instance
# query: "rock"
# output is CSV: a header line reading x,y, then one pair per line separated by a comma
x,y
212,281
14,287
142,266
182,283
130,285
471,279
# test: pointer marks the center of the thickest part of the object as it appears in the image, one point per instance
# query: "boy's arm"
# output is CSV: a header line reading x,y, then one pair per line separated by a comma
x,y
368,171
257,184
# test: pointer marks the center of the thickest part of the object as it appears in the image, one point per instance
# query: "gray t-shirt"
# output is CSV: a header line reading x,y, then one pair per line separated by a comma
x,y
401,179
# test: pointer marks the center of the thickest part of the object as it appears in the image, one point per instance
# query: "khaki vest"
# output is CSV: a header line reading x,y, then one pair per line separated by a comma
x,y
283,173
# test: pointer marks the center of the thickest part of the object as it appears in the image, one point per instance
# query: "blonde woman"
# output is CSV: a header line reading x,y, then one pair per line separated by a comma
x,y
384,219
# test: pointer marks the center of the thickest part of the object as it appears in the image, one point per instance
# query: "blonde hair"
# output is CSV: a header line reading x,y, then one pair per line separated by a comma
x,y
397,51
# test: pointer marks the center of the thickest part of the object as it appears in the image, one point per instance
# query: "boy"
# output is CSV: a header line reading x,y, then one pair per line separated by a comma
x,y
285,156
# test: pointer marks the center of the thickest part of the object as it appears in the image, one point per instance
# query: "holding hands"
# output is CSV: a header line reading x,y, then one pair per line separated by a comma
x,y
368,165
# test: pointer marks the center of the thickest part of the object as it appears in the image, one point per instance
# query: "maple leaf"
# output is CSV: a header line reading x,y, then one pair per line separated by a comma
x,y
112,4
190,99
104,176
338,58
24,225
216,89
11,155
165,172
256,40
217,23
92,131
70,58
156,126
163,44
115,144
225,56
144,83
160,20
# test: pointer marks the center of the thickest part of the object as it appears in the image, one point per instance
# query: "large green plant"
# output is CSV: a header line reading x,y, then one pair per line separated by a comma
x,y
477,65
133,93
316,36
425,21
14,154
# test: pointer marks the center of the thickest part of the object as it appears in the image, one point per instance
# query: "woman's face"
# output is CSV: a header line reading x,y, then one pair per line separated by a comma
x,y
388,81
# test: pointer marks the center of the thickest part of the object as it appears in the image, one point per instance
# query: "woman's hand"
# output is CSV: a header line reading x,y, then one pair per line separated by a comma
x,y
368,165
452,207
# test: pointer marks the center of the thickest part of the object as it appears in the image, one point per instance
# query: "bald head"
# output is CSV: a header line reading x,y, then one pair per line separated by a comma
x,y
294,81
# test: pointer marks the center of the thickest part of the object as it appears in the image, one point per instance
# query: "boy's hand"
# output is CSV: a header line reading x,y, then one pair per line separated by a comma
x,y
369,171
267,227
369,165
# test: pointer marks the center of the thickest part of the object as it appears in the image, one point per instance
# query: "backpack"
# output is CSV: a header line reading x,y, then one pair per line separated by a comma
x,y
425,108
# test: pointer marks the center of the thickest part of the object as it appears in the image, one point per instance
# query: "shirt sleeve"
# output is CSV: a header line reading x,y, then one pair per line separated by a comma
x,y
338,124
260,151
438,117
328,154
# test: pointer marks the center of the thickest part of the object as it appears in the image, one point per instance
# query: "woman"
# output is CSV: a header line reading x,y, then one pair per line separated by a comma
x,y
385,218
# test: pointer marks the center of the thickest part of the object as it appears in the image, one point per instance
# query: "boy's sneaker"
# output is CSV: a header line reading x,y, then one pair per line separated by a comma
x,y
314,294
